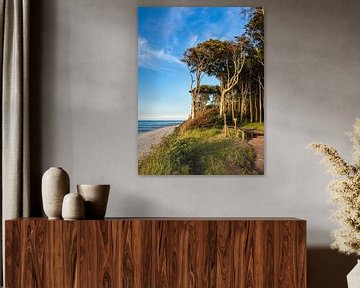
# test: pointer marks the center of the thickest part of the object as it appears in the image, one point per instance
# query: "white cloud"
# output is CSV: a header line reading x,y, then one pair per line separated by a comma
x,y
148,55
175,20
192,40
226,28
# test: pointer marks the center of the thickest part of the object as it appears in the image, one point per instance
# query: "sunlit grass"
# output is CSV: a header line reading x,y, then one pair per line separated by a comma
x,y
199,152
256,125
201,133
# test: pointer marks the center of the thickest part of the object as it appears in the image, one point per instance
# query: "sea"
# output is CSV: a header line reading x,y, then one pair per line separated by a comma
x,y
150,125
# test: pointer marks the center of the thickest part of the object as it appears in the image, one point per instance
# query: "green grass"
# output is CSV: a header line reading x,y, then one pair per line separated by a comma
x,y
199,152
256,125
202,133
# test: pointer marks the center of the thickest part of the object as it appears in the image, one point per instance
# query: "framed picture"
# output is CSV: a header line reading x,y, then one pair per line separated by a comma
x,y
201,91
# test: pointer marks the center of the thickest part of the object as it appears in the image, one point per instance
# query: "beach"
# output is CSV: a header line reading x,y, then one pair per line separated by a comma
x,y
148,139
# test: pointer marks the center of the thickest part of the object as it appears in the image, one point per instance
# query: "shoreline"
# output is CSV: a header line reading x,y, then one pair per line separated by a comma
x,y
148,139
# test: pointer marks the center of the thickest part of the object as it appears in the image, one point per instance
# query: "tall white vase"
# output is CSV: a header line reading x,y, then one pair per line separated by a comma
x,y
353,278
55,185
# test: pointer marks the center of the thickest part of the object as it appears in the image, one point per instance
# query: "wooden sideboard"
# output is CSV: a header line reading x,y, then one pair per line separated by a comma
x,y
156,252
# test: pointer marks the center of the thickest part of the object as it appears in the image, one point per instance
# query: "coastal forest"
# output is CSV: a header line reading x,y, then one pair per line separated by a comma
x,y
224,132
239,67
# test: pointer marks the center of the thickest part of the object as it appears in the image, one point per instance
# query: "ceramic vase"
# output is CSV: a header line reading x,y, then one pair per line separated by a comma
x,y
96,198
55,185
353,278
73,207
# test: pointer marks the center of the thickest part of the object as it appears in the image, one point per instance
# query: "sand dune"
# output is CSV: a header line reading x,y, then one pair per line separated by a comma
x,y
148,139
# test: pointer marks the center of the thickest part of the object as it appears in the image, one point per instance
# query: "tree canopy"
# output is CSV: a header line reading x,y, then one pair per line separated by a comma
x,y
238,65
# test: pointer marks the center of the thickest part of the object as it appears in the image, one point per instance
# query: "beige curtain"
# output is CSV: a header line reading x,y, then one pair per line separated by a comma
x,y
14,27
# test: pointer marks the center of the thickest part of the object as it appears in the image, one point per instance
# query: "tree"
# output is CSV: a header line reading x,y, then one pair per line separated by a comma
x,y
207,94
255,32
196,60
226,60
254,66
254,29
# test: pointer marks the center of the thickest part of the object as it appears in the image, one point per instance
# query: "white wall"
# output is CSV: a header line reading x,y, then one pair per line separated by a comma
x,y
85,95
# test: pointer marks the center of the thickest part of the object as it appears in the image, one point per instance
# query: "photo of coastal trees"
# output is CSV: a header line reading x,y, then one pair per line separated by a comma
x,y
201,91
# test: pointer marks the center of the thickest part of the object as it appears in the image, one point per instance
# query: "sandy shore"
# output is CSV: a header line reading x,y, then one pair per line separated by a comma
x,y
148,139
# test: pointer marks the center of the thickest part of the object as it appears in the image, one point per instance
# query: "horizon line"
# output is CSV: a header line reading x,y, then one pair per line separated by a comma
x,y
158,119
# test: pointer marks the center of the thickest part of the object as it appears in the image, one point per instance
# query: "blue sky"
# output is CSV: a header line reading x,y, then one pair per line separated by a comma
x,y
163,36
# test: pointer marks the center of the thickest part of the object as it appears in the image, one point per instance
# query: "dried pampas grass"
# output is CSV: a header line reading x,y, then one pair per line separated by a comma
x,y
345,191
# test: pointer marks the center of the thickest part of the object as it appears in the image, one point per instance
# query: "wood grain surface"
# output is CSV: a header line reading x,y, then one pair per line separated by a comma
x,y
159,252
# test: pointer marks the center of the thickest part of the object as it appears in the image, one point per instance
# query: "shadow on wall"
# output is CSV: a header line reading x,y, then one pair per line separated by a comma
x,y
45,48
35,52
328,268
139,207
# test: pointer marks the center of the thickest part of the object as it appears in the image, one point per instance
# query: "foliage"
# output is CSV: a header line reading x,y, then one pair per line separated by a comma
x,y
255,32
220,55
196,58
209,89
197,61
199,152
207,119
345,191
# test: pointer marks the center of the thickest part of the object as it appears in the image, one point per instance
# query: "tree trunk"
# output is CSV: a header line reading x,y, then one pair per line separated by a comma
x,y
225,126
260,103
250,103
222,102
256,109
232,108
241,109
193,103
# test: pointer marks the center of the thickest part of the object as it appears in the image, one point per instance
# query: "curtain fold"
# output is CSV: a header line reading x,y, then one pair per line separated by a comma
x,y
15,162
